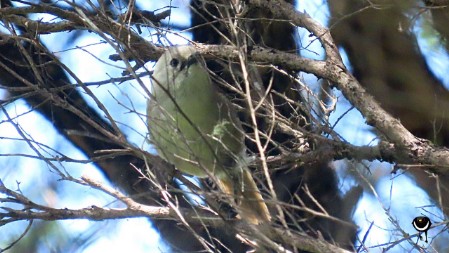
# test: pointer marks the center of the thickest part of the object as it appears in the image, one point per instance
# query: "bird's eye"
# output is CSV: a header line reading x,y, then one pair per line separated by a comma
x,y
174,63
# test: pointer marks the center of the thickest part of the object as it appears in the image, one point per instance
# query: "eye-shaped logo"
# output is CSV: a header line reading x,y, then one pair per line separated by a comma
x,y
422,224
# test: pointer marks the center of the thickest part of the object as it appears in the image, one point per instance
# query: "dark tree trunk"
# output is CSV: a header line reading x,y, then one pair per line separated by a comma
x,y
385,58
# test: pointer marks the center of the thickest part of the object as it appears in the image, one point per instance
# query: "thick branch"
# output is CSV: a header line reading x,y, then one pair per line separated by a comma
x,y
32,210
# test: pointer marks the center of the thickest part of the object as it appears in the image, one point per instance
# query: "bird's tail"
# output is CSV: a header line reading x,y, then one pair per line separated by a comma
x,y
250,204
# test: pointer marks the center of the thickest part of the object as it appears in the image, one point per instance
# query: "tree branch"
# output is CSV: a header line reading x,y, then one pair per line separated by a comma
x,y
32,210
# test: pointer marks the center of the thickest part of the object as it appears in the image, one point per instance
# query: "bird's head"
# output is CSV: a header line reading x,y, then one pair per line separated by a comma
x,y
177,65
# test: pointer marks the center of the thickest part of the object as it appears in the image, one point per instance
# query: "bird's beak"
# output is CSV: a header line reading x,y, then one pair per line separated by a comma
x,y
193,59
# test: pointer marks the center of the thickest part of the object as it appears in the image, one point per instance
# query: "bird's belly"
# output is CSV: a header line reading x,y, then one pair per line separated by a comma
x,y
186,142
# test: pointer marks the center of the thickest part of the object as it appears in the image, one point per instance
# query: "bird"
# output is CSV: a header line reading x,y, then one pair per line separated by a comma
x,y
194,127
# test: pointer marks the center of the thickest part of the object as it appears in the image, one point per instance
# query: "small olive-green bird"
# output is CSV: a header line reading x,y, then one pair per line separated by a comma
x,y
196,129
